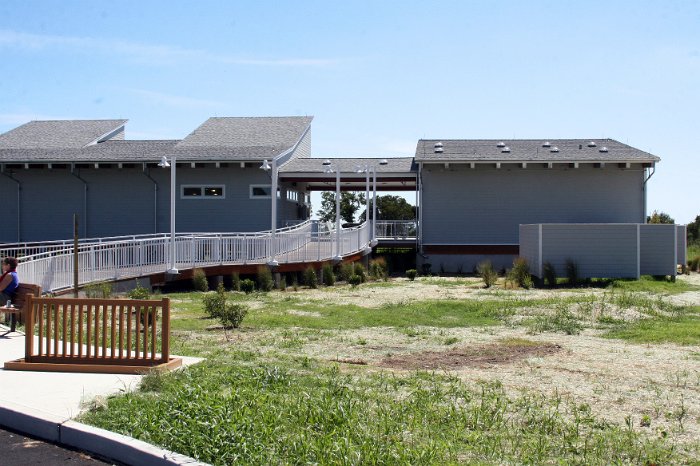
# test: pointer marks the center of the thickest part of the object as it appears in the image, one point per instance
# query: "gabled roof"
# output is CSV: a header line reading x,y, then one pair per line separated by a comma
x,y
402,165
243,138
59,134
108,151
529,150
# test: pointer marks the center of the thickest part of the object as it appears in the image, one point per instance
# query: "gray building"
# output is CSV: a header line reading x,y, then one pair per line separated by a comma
x,y
474,194
54,169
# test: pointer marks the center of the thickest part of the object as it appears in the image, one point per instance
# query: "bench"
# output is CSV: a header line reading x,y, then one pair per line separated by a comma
x,y
20,303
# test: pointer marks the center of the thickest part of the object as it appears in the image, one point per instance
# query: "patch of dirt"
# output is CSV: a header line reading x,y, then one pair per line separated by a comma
x,y
475,356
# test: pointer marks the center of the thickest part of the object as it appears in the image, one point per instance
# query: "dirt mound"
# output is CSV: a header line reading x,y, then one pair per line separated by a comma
x,y
474,356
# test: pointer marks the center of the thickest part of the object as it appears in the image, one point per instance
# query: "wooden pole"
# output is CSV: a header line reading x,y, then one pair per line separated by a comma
x,y
75,255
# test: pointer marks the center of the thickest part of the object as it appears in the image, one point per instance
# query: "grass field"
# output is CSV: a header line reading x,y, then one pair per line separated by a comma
x,y
436,371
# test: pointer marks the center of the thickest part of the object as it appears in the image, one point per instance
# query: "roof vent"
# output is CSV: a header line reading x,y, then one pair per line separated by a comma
x,y
603,149
554,149
505,149
438,147
591,144
546,144
501,144
439,150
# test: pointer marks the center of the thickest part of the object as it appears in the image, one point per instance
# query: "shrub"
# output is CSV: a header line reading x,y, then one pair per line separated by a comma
x,y
283,283
378,269
139,292
328,276
345,270
427,269
214,302
550,275
232,315
571,272
358,269
411,274
199,280
487,273
235,282
310,278
354,280
265,281
295,283
98,290
694,264
520,273
247,286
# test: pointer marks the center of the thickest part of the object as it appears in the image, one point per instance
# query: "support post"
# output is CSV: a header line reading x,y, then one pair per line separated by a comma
x,y
75,256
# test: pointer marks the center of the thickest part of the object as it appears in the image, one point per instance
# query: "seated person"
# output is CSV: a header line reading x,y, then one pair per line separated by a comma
x,y
9,282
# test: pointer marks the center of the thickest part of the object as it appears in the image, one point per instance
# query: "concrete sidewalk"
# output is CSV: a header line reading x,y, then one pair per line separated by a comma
x,y
42,404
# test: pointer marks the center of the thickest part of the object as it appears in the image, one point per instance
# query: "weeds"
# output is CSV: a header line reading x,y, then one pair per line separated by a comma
x,y
487,273
199,280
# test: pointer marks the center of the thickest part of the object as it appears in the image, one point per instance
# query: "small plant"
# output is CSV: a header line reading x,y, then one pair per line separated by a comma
x,y
295,283
378,270
247,286
411,274
355,280
487,273
235,282
345,270
283,283
359,270
550,275
426,269
328,276
265,281
214,302
520,273
571,273
694,264
645,421
199,280
139,292
310,278
98,290
451,341
230,315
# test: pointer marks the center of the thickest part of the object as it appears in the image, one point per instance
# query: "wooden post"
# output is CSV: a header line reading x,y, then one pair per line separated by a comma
x,y
29,328
165,332
75,255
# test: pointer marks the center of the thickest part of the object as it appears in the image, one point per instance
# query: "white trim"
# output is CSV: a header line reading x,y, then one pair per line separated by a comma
x,y
202,187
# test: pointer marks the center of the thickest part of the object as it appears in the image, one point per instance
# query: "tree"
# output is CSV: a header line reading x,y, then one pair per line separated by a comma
x,y
349,205
693,230
660,217
393,208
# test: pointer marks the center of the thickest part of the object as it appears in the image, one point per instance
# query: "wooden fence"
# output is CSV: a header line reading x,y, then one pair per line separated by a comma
x,y
96,335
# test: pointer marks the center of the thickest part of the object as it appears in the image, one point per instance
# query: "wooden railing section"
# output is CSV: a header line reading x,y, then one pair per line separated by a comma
x,y
97,335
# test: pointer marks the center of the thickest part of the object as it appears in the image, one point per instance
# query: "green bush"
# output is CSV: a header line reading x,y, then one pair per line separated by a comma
x,y
355,280
550,275
295,283
214,302
199,280
345,270
328,276
487,273
265,281
235,282
520,273
572,273
98,290
411,274
694,264
358,269
232,315
139,292
378,270
283,283
310,278
247,286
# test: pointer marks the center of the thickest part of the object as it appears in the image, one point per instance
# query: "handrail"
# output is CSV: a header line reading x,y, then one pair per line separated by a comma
x,y
131,258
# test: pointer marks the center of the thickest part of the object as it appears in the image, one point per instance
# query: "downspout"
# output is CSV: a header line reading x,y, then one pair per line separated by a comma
x,y
644,188
85,200
19,190
155,198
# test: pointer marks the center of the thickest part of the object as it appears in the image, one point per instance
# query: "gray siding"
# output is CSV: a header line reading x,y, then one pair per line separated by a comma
x,y
608,251
464,263
485,205
658,249
9,195
530,247
682,244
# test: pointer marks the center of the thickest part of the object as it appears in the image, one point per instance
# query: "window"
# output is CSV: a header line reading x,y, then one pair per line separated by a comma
x,y
202,192
261,191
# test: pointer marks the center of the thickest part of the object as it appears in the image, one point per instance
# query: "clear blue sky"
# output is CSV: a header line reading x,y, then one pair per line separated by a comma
x,y
377,75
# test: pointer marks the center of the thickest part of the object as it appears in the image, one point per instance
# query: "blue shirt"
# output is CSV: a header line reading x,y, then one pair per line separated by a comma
x,y
14,284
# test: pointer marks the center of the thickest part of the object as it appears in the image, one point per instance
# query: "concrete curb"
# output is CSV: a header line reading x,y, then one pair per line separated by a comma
x,y
100,442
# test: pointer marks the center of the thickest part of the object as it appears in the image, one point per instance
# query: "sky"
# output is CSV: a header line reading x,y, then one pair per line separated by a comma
x,y
376,75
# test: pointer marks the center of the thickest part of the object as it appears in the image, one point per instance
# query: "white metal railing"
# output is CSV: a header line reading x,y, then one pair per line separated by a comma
x,y
129,257
396,229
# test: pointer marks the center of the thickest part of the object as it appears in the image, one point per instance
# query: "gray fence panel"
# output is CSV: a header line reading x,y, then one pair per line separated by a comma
x,y
657,249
